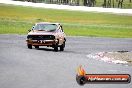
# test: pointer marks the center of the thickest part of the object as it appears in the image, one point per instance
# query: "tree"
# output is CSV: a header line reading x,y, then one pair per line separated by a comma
x,y
85,3
120,2
109,3
104,4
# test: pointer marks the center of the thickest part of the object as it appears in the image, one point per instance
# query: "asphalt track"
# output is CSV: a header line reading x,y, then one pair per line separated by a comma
x,y
21,67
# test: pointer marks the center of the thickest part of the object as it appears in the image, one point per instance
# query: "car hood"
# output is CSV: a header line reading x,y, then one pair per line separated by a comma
x,y
34,32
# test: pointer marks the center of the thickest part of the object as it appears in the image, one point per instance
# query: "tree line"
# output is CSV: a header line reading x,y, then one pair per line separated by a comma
x,y
90,3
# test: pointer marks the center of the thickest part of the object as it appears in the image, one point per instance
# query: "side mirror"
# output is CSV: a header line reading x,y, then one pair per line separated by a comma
x,y
29,30
62,29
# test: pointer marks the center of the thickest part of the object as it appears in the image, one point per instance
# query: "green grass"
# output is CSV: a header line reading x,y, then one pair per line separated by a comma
x,y
18,19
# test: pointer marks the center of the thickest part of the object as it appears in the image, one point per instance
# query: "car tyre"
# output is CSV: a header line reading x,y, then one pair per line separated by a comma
x,y
29,46
37,47
62,47
56,48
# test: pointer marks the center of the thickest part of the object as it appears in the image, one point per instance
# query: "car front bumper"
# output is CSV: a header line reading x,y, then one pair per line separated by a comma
x,y
42,42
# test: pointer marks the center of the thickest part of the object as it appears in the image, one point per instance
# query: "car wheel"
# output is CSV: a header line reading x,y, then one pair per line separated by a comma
x,y
29,46
36,47
56,48
62,47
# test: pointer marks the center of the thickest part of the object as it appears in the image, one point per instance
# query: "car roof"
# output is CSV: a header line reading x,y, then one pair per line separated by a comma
x,y
48,23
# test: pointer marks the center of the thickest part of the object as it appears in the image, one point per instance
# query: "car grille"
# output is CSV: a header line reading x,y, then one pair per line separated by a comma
x,y
41,37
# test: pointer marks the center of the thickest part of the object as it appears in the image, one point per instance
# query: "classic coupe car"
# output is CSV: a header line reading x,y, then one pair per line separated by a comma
x,y
46,34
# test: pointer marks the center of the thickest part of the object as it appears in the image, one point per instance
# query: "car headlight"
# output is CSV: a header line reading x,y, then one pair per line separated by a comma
x,y
29,37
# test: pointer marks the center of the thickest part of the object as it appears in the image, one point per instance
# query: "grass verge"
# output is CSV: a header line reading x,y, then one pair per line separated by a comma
x,y
18,19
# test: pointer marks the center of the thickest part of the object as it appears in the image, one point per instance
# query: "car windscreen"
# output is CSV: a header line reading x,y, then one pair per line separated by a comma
x,y
45,27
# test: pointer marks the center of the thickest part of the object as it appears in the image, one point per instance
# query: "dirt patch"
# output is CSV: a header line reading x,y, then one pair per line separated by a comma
x,y
119,57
